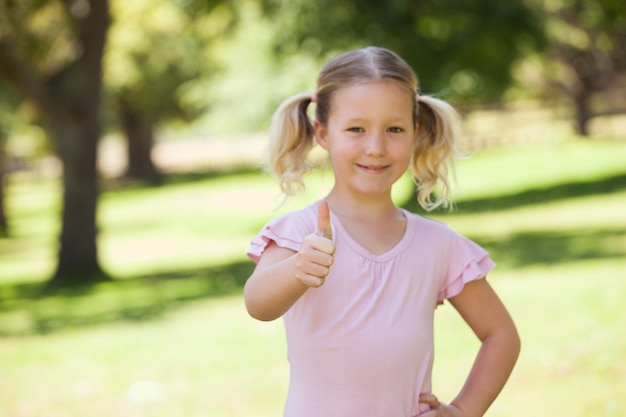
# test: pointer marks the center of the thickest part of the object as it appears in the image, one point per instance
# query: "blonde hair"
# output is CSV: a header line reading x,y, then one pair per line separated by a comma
x,y
292,134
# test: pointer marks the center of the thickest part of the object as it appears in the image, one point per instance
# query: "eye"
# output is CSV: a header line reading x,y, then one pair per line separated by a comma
x,y
355,129
395,129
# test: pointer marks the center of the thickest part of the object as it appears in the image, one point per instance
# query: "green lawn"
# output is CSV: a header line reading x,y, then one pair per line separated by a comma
x,y
170,337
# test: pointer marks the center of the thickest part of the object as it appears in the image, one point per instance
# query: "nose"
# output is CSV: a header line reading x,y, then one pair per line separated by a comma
x,y
376,144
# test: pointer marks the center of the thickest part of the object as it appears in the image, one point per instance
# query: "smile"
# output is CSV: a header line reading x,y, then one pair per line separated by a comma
x,y
373,169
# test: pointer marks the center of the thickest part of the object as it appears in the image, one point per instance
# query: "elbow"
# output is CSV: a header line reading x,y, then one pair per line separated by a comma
x,y
507,341
511,342
516,342
256,308
258,313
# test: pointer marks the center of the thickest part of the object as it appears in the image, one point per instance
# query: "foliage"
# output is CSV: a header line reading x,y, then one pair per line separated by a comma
x,y
253,81
44,30
158,56
463,50
586,54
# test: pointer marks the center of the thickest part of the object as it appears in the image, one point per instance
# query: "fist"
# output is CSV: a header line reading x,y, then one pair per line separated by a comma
x,y
316,255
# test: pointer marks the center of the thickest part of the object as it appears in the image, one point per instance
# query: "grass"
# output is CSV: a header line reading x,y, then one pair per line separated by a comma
x,y
170,337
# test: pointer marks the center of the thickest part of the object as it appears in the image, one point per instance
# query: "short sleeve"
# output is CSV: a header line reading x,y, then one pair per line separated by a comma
x,y
287,231
469,262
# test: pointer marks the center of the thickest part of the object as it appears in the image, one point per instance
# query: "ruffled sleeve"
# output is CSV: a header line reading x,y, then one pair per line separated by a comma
x,y
468,262
287,231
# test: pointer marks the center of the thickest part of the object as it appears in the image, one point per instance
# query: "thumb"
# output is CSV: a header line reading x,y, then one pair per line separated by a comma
x,y
323,220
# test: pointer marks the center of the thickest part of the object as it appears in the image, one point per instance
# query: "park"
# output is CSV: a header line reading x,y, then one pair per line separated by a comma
x,y
151,321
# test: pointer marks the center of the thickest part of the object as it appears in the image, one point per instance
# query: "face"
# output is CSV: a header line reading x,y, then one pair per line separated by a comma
x,y
369,136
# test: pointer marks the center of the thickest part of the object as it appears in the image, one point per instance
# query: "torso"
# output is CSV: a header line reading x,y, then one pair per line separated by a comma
x,y
362,344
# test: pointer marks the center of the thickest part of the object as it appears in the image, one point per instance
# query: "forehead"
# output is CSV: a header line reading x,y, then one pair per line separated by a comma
x,y
380,98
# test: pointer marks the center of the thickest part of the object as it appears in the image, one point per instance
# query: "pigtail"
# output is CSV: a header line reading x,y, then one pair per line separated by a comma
x,y
291,140
435,148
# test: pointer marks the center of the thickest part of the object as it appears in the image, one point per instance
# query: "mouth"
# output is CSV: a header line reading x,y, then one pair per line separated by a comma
x,y
373,169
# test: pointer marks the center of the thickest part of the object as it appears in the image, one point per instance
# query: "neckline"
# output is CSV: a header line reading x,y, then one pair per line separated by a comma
x,y
399,247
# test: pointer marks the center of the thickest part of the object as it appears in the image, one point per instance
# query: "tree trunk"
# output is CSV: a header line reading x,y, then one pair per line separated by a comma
x,y
139,139
582,113
72,110
77,139
4,225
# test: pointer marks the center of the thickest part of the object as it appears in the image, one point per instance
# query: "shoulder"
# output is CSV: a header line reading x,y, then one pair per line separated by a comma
x,y
425,225
438,234
287,231
303,219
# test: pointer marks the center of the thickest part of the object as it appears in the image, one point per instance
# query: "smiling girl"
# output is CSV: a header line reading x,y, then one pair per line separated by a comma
x,y
356,278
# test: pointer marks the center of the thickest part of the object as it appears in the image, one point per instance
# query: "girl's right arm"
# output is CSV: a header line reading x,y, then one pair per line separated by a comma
x,y
272,288
282,276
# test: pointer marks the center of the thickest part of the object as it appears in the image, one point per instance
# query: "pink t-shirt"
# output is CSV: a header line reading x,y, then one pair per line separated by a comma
x,y
362,344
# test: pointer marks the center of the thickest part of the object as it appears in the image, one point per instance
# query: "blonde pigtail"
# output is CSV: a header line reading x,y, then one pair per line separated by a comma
x,y
291,140
434,152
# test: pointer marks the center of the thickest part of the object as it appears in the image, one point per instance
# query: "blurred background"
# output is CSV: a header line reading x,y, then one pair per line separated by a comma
x,y
131,140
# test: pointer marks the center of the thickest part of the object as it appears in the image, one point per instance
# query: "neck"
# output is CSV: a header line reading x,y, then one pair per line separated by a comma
x,y
363,207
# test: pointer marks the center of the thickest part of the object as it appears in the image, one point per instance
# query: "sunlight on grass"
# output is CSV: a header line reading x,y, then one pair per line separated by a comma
x,y
505,171
568,322
565,316
605,211
193,362
569,318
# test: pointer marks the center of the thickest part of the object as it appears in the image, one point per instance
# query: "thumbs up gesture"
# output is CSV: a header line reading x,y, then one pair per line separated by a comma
x,y
316,255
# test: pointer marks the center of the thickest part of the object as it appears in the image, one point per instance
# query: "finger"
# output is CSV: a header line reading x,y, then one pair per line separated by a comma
x,y
317,249
315,270
310,280
324,257
323,220
429,399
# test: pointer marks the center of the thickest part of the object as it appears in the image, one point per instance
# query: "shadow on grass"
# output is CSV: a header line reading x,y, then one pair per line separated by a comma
x,y
531,197
26,310
552,248
119,185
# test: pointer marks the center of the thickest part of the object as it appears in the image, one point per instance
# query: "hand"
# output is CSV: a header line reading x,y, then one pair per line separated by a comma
x,y
438,409
315,257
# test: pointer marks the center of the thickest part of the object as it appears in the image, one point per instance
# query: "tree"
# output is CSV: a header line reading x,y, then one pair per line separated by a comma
x,y
155,65
587,50
52,54
463,50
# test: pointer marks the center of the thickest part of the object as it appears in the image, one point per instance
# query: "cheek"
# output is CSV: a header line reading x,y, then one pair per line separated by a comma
x,y
340,156
404,157
337,155
337,145
404,148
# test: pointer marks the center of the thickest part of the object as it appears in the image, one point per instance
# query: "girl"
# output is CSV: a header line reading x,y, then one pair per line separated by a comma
x,y
355,277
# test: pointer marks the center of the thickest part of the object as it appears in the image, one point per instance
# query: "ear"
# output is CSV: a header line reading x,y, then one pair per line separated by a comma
x,y
321,134
416,130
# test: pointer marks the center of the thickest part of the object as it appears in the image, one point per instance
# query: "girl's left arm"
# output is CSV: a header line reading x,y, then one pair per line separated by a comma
x,y
483,311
